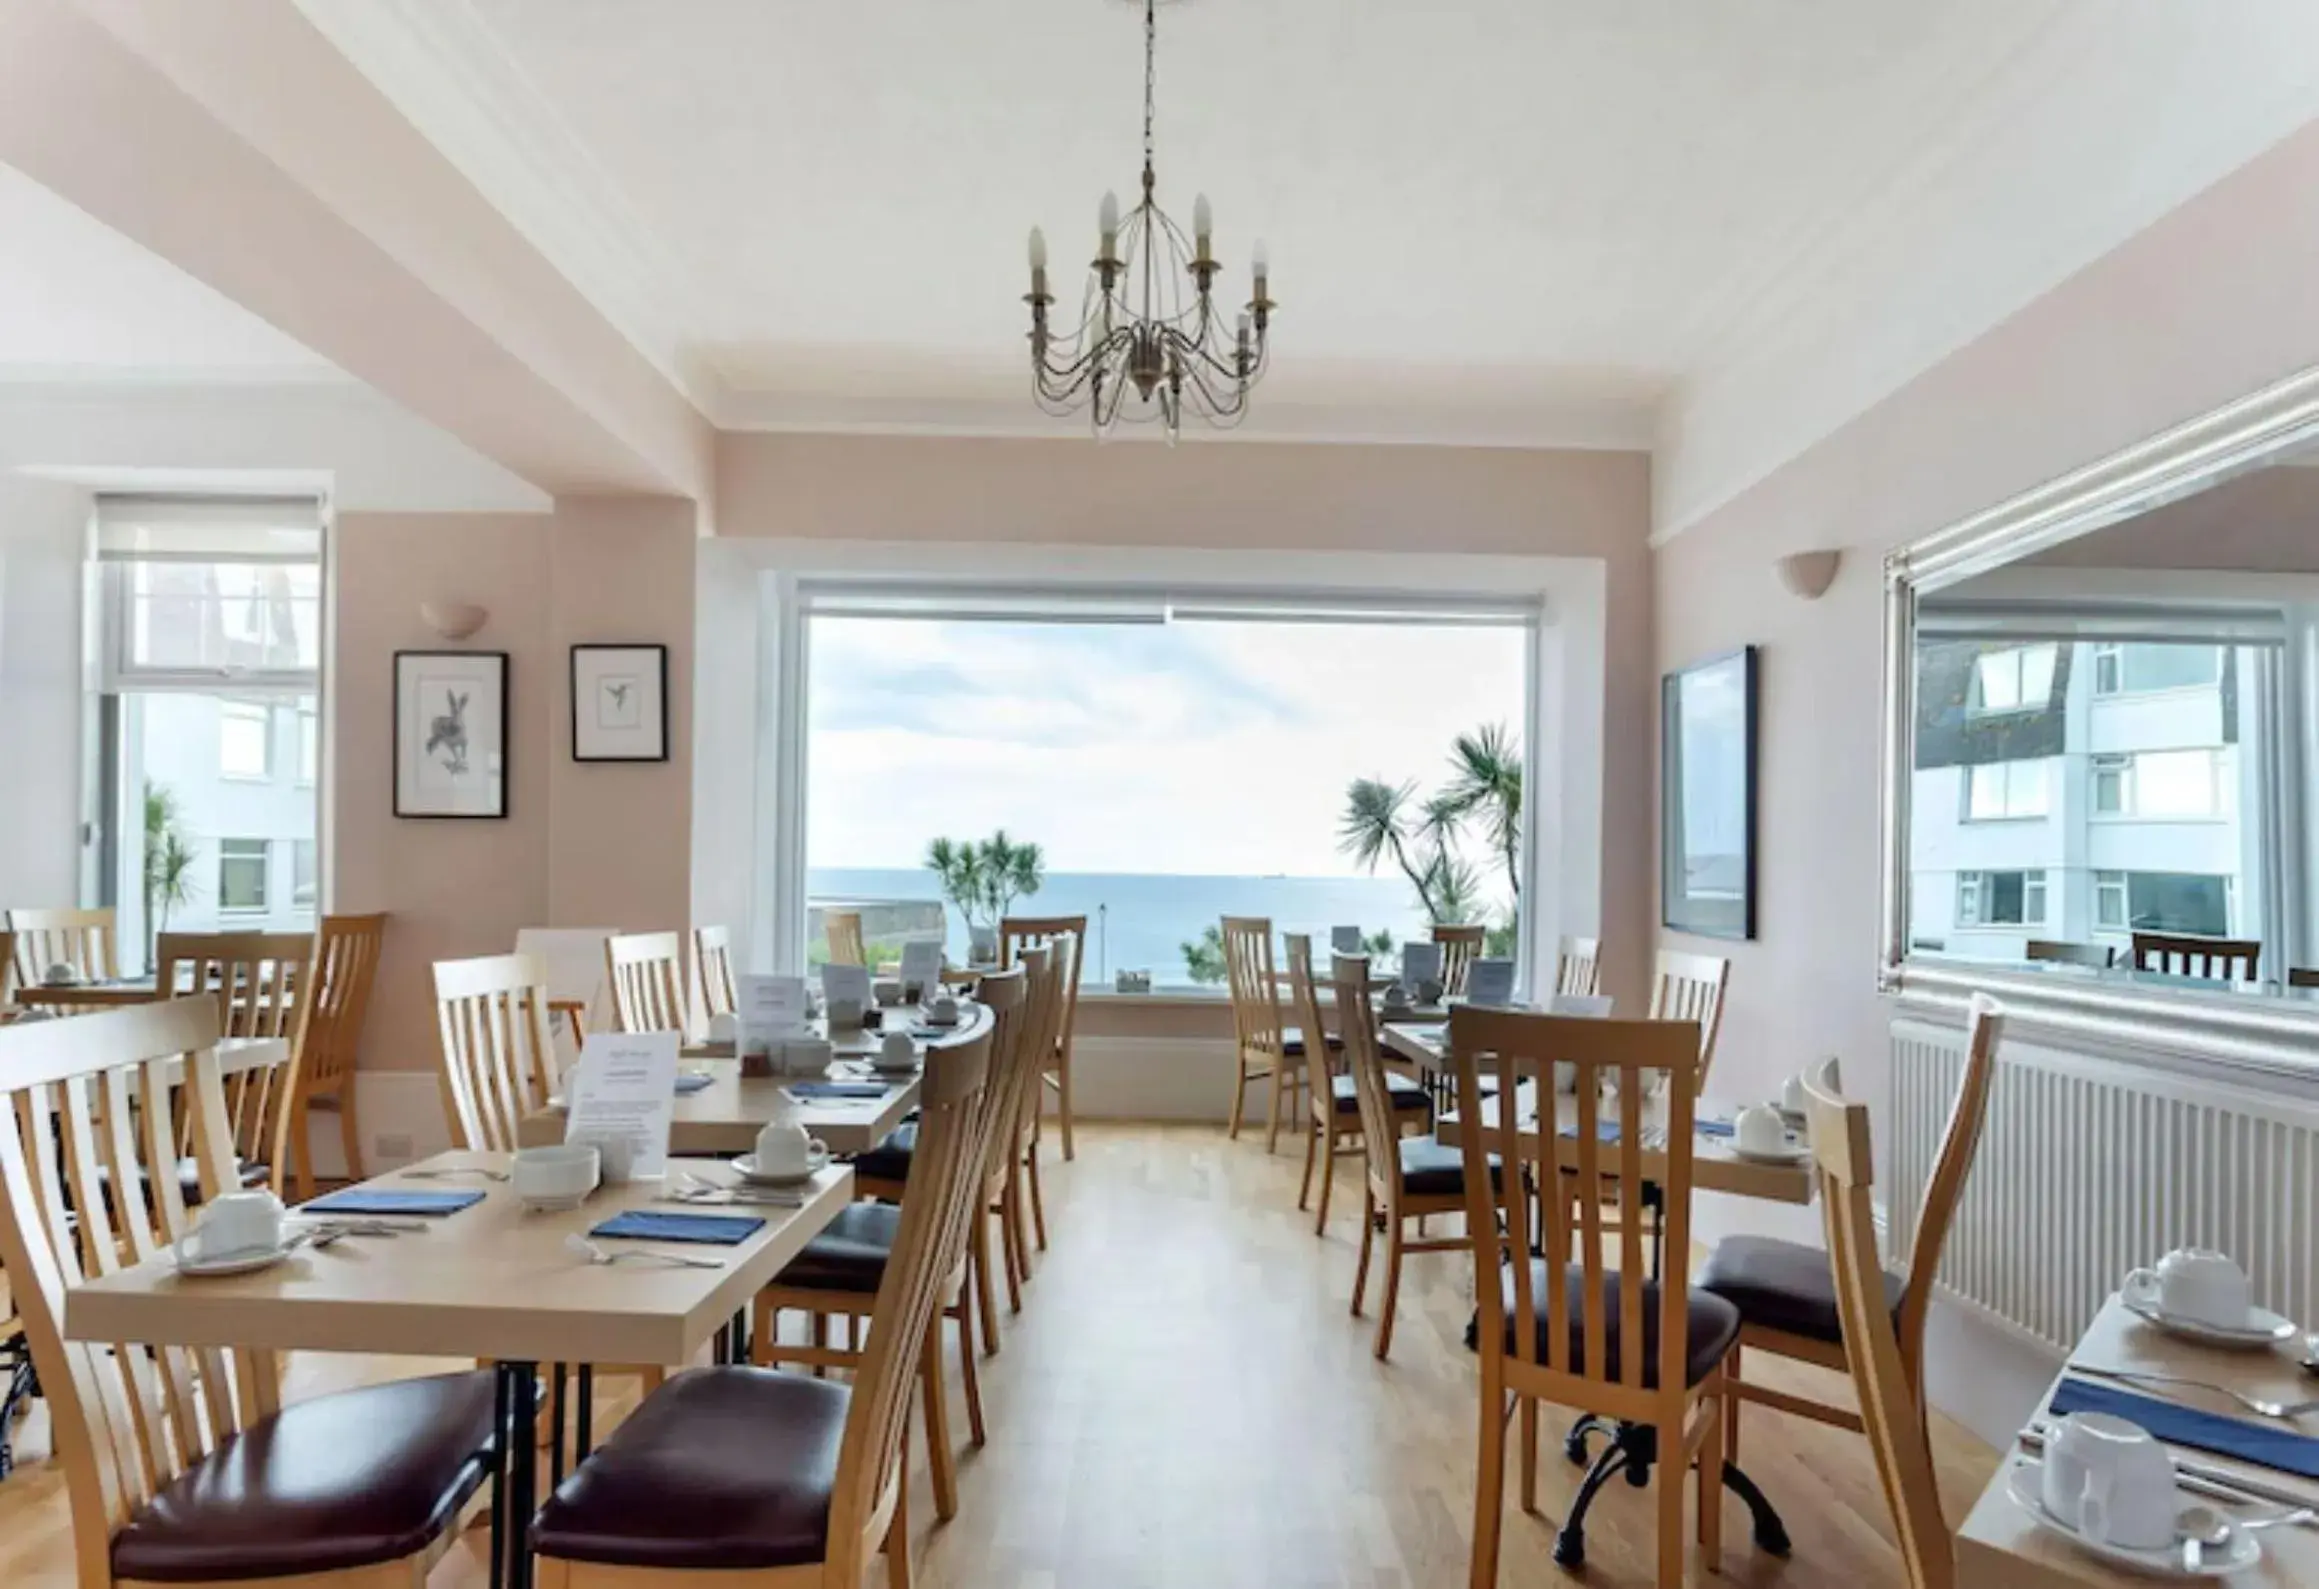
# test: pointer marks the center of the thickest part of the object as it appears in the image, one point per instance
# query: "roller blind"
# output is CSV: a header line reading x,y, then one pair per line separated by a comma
x,y
1137,605
154,529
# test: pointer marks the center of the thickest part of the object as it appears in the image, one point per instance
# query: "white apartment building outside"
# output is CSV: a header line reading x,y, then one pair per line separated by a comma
x,y
2077,791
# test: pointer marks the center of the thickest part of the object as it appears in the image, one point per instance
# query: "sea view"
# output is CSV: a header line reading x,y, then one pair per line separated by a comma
x,y
1140,921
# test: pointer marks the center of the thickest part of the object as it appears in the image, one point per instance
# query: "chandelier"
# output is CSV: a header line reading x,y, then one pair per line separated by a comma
x,y
1149,342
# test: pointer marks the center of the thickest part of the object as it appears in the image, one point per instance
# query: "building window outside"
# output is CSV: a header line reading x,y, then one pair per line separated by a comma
x,y
2110,909
245,741
309,746
2145,669
2002,791
305,872
2194,904
2016,680
2160,785
2000,899
241,875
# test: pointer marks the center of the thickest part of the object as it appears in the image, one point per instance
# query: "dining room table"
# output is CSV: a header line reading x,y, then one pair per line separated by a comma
x,y
493,1281
721,1117
2002,1546
108,993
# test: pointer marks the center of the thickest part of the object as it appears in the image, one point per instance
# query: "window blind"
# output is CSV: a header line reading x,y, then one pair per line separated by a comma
x,y
155,529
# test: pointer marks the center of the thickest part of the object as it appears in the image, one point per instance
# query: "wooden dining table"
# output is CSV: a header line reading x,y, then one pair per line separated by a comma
x,y
1999,1547
724,1117
1716,1165
111,994
493,1281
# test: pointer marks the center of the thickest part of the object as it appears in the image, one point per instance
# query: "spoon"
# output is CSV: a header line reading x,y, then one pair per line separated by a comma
x,y
430,1175
581,1246
2201,1528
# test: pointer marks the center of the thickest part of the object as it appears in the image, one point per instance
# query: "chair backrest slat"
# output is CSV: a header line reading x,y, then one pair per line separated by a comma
x,y
1253,984
498,1060
83,939
1461,944
712,959
1372,1095
1578,967
2188,955
1631,1063
127,1419
1014,997
260,981
1690,987
1017,933
1889,1409
943,1180
1319,1056
1960,1143
647,974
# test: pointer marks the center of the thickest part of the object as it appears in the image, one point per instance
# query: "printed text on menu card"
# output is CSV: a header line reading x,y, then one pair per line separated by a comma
x,y
624,1091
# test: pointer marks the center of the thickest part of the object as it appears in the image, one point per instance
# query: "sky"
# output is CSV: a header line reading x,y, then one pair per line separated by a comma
x,y
1190,747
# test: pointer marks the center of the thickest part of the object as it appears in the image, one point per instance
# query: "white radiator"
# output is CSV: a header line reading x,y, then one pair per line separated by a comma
x,y
2091,1167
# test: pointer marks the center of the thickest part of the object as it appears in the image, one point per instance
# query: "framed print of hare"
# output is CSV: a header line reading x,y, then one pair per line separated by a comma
x,y
619,703
450,733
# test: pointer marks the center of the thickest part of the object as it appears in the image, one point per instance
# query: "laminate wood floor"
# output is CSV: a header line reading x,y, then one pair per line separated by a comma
x,y
1185,1403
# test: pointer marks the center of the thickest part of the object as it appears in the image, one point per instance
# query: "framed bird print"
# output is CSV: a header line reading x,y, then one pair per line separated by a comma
x,y
450,733
619,703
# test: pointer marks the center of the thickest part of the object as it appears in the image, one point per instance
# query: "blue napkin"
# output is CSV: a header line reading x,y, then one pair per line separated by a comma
x,y
692,1081
838,1089
716,1230
2266,1445
1604,1131
1715,1128
362,1200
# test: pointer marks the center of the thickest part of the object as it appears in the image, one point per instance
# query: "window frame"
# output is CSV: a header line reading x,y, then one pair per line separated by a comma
x,y
1976,702
2044,811
122,674
236,709
1980,886
265,859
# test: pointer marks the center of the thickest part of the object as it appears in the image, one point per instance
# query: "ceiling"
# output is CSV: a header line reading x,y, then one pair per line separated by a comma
x,y
1714,229
80,302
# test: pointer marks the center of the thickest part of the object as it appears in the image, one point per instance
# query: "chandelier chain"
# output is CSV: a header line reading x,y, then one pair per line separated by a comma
x,y
1150,78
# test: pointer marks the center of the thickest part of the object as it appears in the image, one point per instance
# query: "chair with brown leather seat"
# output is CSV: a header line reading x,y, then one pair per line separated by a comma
x,y
1015,934
1578,967
1559,1322
85,940
838,1274
712,967
1786,1293
1336,1123
645,971
1889,1383
1258,1038
756,1477
346,954
262,982
2192,955
1403,1178
181,1464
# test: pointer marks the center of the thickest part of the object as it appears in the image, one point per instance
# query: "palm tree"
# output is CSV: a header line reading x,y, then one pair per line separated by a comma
x,y
1377,823
1486,783
1009,871
1204,960
169,860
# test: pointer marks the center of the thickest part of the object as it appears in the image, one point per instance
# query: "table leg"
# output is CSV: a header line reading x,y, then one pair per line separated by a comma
x,y
502,1435
583,1436
522,1381
556,1432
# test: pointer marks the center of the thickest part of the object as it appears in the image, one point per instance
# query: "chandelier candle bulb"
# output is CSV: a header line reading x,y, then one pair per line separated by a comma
x,y
1107,223
1203,225
1038,250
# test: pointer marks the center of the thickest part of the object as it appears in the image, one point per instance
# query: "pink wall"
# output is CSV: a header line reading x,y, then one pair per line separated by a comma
x,y
582,844
1261,496
2211,303
2266,522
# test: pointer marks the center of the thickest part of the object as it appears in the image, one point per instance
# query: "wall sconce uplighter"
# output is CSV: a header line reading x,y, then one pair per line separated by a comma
x,y
453,620
1809,574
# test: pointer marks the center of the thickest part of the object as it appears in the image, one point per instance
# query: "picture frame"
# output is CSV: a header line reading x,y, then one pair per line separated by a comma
x,y
1707,796
620,703
451,734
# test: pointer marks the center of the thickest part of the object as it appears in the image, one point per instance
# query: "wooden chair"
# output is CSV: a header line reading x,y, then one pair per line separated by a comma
x,y
345,966
162,1448
1014,933
1461,945
82,939
1405,1177
7,973
1578,967
1566,1326
727,1472
2302,977
1786,1293
2096,956
838,1274
260,982
1886,1374
1690,987
1256,1025
647,977
2183,955
712,961
843,929
1337,1124
498,1062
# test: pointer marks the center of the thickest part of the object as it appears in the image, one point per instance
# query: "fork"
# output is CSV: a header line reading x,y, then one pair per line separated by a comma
x,y
436,1175
2288,1410
583,1247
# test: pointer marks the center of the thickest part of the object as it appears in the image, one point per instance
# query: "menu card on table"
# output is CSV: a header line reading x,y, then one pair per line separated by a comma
x,y
1345,940
922,965
1490,982
840,984
771,1008
1420,962
621,1098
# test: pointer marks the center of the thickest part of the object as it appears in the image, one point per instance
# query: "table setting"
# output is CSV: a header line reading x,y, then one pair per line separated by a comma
x,y
2181,1441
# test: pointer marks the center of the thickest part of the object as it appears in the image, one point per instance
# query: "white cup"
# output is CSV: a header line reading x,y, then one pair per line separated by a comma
x,y
806,1056
785,1147
615,1157
1759,1129
2195,1283
1792,1095
844,1014
1396,996
2108,1479
234,1222
942,1007
887,991
899,1051
558,1175
725,1028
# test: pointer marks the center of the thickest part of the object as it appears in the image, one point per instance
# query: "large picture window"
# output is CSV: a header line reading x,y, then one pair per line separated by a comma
x,y
207,715
1321,765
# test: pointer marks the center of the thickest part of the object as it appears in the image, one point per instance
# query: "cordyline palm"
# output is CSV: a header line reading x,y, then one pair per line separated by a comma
x,y
1008,871
1486,783
1377,824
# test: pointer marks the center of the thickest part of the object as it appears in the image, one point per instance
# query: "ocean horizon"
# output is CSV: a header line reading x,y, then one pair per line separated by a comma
x,y
1140,921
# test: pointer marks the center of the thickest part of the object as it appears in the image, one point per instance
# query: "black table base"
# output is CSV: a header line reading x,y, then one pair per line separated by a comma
x,y
1633,1450
23,1385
